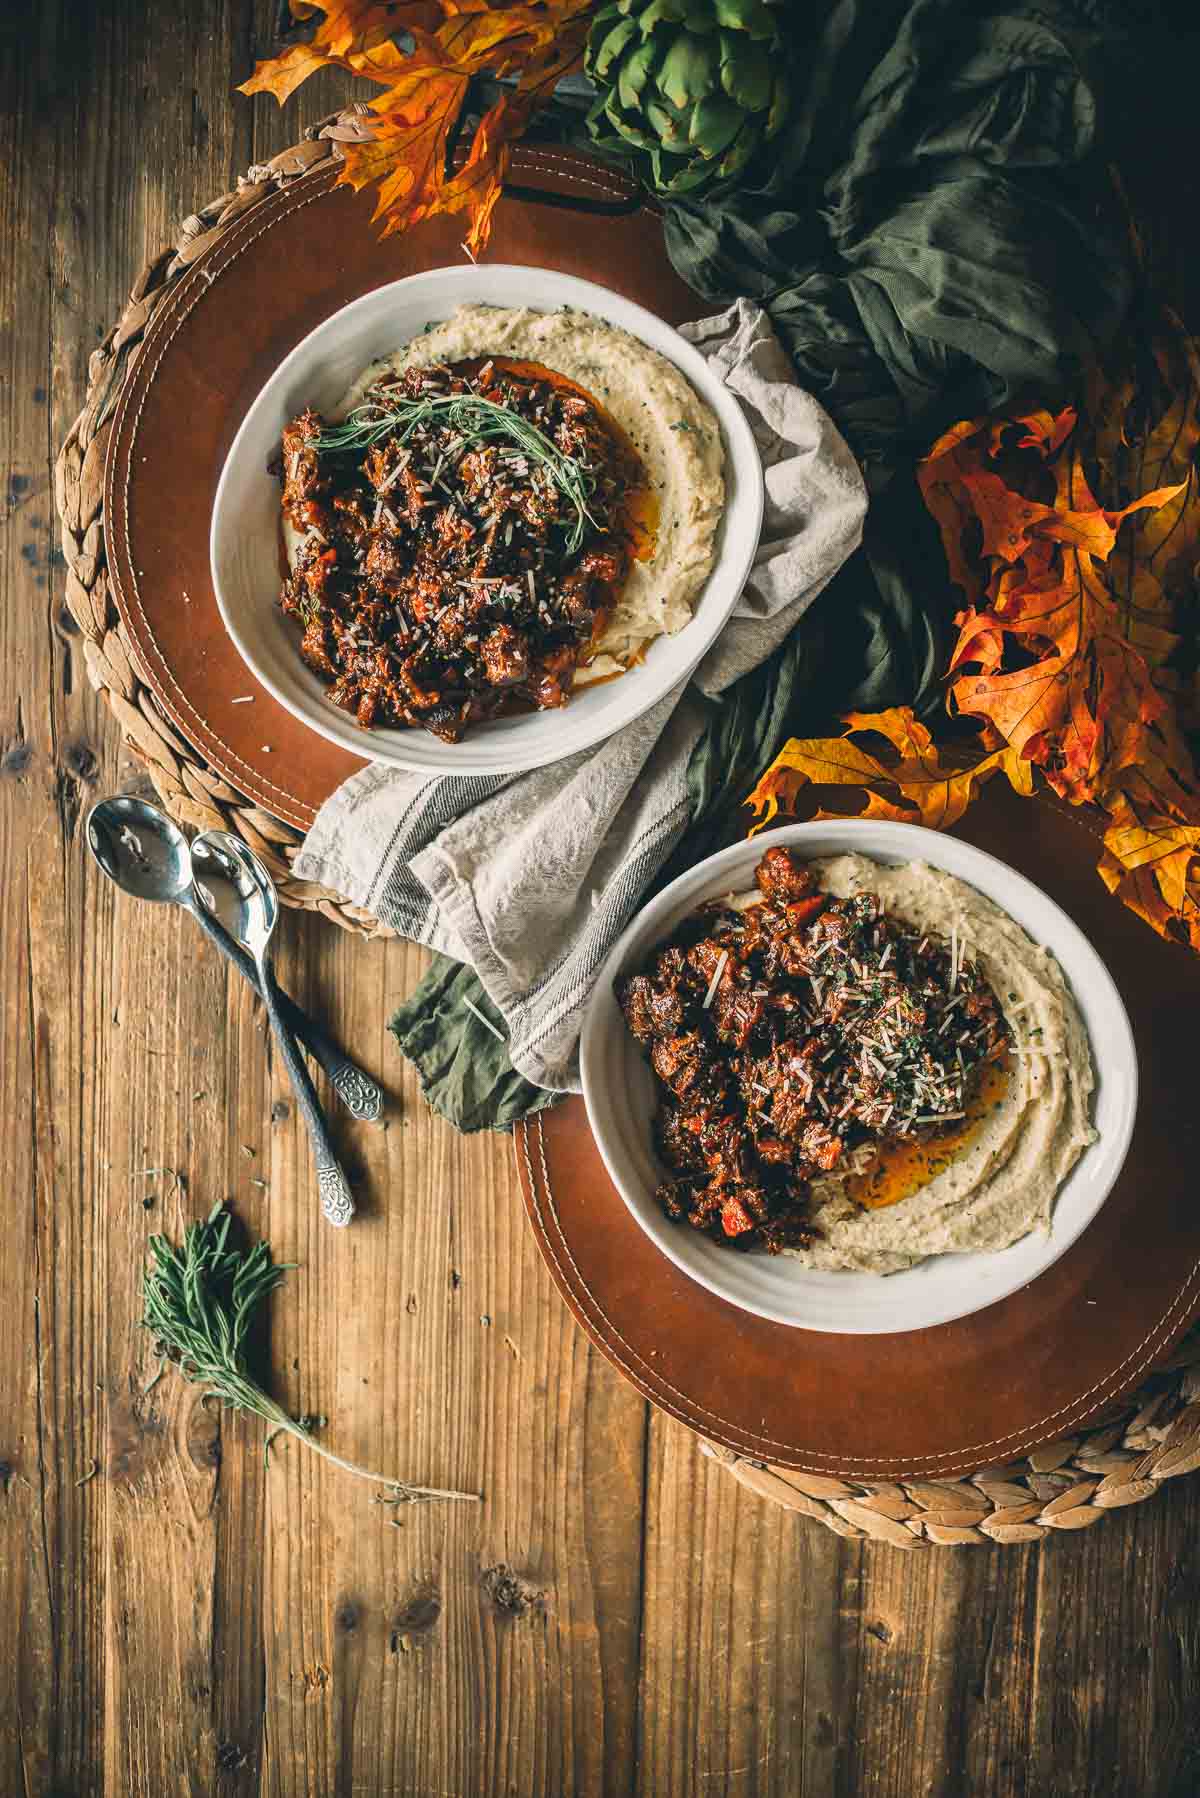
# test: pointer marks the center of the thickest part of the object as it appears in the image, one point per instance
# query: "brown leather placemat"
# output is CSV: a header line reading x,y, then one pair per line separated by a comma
x,y
269,279
933,1402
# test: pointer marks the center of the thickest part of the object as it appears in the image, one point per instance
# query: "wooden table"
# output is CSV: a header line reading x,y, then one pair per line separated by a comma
x,y
618,1616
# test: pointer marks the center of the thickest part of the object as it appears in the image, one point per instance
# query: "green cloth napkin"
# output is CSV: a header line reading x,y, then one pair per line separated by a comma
x,y
931,237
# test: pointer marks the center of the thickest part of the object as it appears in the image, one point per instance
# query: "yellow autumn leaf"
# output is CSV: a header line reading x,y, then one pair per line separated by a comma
x,y
921,784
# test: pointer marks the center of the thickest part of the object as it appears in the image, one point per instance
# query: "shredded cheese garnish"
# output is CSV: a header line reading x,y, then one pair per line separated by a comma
x,y
716,979
401,465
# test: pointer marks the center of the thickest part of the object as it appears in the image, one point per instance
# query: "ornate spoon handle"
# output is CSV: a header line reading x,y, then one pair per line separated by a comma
x,y
337,1201
361,1095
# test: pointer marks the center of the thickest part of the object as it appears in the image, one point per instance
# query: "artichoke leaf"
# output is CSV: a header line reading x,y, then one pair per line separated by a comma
x,y
690,70
634,73
738,154
670,128
629,127
752,17
715,122
607,48
746,73
672,13
677,174
698,17
698,85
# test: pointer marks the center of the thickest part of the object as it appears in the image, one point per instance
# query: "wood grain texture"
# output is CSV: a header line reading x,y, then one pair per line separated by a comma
x,y
618,1616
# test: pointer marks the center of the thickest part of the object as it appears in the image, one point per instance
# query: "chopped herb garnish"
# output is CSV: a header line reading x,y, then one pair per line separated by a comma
x,y
477,421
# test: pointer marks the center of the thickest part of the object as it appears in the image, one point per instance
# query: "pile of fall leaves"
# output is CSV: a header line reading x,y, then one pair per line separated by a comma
x,y
1079,640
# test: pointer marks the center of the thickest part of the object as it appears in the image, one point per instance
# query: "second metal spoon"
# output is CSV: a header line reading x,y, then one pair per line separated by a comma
x,y
235,887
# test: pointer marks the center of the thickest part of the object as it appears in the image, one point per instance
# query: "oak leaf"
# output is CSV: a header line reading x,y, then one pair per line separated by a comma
x,y
347,34
1151,864
427,76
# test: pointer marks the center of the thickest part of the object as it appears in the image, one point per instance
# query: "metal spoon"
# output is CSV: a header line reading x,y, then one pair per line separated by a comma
x,y
233,885
146,854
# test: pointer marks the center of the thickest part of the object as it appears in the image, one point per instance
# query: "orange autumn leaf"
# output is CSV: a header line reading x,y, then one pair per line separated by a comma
x,y
1072,706
1152,866
1074,538
345,37
407,154
917,784
1047,429
1077,642
1050,661
425,56
1153,569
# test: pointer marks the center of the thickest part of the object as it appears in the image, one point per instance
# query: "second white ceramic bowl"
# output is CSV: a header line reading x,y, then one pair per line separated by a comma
x,y
244,540
619,1090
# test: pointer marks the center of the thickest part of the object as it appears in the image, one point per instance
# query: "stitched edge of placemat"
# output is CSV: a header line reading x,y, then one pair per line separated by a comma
x,y
194,794
1122,1456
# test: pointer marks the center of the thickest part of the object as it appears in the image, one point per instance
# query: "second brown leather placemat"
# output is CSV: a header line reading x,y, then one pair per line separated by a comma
x,y
932,1402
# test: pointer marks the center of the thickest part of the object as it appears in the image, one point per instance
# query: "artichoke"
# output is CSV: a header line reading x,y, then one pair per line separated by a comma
x,y
691,87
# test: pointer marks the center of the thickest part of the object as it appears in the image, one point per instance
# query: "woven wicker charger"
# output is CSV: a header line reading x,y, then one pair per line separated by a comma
x,y
1122,1457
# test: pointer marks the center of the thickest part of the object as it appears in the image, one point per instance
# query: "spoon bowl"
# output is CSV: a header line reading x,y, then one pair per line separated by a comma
x,y
141,849
235,888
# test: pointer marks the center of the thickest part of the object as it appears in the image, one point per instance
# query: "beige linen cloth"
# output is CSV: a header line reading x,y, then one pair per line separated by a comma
x,y
532,877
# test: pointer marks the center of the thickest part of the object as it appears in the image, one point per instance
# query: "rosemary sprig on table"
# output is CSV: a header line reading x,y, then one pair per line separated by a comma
x,y
200,1301
476,421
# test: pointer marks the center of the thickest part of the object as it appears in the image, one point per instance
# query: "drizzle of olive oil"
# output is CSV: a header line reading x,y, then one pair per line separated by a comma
x,y
904,1166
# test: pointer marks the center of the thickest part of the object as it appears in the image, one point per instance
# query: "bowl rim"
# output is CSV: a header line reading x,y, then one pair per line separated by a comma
x,y
1114,1059
623,703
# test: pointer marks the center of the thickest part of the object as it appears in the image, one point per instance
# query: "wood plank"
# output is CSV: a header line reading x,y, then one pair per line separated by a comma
x,y
470,1648
51,1421
745,1652
140,1027
1118,1667
778,1659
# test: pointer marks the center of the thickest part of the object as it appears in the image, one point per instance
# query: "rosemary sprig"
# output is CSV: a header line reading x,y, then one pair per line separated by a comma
x,y
200,1301
476,420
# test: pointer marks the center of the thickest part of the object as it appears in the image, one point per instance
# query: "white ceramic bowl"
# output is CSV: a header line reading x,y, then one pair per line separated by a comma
x,y
245,522
619,1089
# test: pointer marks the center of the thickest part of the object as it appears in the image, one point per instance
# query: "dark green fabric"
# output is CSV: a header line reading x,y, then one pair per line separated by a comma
x,y
924,231
465,1071
931,238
